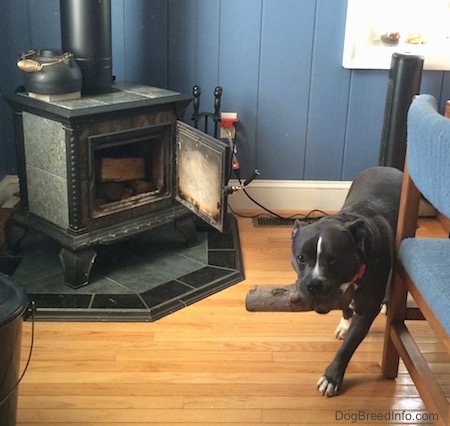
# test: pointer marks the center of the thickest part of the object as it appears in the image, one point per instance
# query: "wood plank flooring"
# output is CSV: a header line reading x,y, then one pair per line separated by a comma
x,y
214,363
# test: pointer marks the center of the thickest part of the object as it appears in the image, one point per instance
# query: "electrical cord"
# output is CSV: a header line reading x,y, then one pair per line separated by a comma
x,y
272,213
235,167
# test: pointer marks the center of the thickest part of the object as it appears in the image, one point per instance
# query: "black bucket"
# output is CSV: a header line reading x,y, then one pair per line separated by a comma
x,y
13,304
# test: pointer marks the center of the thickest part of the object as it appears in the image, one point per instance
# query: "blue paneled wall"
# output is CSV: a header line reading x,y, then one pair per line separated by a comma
x,y
302,116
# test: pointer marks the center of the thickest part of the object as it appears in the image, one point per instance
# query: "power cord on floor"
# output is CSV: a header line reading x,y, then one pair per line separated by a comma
x,y
236,169
272,213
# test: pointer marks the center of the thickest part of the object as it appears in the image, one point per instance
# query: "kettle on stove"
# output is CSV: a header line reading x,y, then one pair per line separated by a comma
x,y
50,71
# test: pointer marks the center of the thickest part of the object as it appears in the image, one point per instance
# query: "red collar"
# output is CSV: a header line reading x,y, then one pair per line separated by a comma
x,y
360,273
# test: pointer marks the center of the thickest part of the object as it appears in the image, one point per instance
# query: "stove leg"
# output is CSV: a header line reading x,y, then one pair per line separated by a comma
x,y
77,266
187,227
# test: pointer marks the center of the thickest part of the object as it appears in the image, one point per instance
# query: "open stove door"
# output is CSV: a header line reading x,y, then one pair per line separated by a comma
x,y
202,164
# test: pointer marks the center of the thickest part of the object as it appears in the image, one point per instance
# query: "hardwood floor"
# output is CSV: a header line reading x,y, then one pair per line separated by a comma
x,y
214,363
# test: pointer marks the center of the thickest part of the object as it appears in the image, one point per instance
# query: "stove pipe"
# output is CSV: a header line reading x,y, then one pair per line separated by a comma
x,y
86,32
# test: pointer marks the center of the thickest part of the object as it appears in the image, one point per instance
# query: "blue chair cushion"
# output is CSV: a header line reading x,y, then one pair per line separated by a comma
x,y
428,149
427,262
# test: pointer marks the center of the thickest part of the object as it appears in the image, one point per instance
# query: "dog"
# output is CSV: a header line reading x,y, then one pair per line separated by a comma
x,y
345,260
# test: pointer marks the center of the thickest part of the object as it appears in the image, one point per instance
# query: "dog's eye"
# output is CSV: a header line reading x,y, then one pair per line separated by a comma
x,y
301,258
332,260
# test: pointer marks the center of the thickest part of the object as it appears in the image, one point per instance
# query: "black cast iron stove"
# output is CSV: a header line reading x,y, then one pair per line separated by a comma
x,y
112,165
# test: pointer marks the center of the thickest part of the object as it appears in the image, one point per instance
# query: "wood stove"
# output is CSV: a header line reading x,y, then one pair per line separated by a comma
x,y
109,166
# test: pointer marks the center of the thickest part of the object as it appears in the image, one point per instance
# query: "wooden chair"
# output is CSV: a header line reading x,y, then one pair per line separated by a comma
x,y
422,265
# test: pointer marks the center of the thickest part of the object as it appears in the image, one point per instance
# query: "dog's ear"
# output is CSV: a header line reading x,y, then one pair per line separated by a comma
x,y
298,224
357,229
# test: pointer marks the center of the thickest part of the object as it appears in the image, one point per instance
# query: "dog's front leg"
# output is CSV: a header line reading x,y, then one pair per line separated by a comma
x,y
330,382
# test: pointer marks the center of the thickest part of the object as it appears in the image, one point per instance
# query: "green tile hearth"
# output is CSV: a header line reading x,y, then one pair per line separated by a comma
x,y
141,279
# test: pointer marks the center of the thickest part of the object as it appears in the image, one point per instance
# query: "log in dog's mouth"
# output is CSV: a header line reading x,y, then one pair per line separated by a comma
x,y
320,303
323,304
323,308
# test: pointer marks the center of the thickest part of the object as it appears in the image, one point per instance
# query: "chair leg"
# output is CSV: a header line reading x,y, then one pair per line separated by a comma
x,y
396,312
391,359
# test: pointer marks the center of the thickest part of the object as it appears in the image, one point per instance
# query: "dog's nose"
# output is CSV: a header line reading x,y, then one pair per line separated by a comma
x,y
315,286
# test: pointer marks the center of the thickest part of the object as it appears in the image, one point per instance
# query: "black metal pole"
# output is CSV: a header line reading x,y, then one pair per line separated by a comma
x,y
404,83
86,32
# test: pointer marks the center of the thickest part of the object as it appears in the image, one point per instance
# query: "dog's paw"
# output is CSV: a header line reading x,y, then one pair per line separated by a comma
x,y
342,328
326,387
384,308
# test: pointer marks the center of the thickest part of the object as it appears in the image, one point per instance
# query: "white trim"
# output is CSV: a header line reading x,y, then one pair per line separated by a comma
x,y
274,194
294,195
9,185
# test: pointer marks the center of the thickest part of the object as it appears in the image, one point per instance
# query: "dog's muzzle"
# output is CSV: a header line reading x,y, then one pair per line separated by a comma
x,y
317,287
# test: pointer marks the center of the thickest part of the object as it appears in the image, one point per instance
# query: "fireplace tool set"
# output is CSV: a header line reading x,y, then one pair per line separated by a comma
x,y
228,123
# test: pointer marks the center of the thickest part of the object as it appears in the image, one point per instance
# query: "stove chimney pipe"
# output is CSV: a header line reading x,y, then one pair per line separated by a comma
x,y
86,32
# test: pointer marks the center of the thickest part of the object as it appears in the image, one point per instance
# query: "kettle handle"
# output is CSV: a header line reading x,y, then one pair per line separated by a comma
x,y
30,65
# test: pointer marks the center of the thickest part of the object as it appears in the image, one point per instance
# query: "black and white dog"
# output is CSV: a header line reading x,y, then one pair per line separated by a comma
x,y
347,257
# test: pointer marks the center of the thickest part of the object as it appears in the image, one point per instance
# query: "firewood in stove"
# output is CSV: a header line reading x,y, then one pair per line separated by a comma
x,y
140,186
126,193
120,169
110,191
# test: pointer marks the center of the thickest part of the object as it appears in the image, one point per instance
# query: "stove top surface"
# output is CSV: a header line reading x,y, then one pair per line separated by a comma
x,y
123,92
